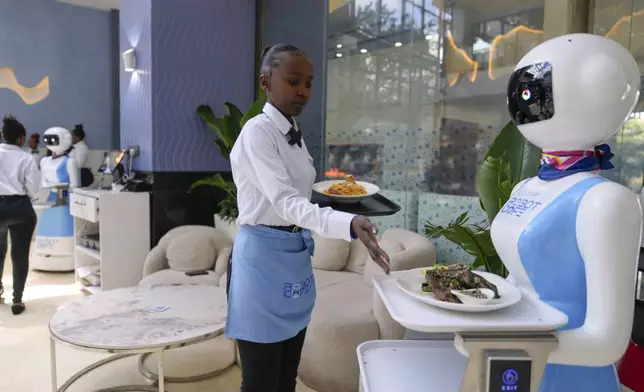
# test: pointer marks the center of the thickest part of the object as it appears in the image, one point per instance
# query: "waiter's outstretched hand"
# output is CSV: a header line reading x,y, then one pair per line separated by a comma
x,y
366,232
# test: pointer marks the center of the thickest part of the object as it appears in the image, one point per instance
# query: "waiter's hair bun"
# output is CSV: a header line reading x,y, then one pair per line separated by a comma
x,y
79,131
9,120
12,129
272,56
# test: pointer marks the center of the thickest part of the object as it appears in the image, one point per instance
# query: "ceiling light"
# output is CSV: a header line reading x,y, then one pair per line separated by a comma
x,y
339,46
338,55
363,50
428,37
398,44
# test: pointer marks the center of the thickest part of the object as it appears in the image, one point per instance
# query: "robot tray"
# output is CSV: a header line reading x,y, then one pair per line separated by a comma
x,y
528,315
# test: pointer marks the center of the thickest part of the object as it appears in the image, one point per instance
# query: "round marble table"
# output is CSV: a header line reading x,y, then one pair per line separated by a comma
x,y
137,320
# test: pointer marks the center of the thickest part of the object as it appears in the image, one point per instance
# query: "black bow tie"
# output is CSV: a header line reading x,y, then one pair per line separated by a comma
x,y
294,137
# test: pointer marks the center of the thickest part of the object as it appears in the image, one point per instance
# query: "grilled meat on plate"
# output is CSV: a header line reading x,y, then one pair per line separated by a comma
x,y
442,279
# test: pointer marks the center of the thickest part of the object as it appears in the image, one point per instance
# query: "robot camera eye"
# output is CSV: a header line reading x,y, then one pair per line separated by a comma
x,y
525,94
51,140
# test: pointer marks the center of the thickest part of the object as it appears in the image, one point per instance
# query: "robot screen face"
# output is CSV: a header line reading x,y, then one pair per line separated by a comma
x,y
530,97
58,140
51,140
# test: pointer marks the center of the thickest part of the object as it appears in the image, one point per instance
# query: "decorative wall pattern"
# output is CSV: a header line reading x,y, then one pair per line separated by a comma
x,y
203,51
136,87
188,53
56,68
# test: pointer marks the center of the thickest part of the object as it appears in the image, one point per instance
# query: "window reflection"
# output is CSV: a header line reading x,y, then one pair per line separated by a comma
x,y
623,21
412,88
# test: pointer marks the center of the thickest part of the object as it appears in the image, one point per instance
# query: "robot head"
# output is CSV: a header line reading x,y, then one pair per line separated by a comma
x,y
573,92
58,140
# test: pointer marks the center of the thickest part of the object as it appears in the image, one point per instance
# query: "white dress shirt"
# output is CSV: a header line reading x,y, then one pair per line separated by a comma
x,y
19,174
79,153
37,154
274,180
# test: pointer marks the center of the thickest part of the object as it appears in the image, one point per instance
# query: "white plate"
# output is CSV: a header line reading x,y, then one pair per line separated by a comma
x,y
321,186
410,283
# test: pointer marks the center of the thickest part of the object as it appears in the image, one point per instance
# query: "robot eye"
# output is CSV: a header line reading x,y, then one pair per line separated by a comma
x,y
525,94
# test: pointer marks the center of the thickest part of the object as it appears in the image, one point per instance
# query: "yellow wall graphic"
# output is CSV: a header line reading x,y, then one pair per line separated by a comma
x,y
30,95
507,49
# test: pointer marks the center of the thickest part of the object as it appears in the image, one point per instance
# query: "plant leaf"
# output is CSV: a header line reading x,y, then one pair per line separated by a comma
x,y
234,112
488,181
213,122
531,162
522,156
256,108
216,180
223,148
494,265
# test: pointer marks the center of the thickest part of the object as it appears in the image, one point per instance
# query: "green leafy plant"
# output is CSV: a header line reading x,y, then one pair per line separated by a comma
x,y
510,160
227,129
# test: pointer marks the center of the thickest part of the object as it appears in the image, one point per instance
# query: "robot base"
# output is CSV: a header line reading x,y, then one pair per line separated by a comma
x,y
52,263
54,254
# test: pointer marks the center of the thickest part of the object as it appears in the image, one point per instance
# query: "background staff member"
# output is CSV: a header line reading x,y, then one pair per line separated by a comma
x,y
272,288
32,144
19,183
79,153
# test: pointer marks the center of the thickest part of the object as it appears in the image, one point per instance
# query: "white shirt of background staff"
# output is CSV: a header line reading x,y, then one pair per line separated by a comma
x,y
79,153
274,180
19,174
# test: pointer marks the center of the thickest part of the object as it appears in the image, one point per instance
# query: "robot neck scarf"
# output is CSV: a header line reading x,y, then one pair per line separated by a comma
x,y
558,164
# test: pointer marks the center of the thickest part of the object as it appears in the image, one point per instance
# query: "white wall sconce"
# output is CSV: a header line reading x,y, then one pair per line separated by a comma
x,y
129,60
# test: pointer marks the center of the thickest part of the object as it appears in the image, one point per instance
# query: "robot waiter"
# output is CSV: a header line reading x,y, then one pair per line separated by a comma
x,y
569,236
54,245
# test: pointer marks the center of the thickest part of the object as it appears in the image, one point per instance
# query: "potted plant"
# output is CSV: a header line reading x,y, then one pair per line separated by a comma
x,y
510,160
227,129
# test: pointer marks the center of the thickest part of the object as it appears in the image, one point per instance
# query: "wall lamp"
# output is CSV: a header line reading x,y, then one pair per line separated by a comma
x,y
129,60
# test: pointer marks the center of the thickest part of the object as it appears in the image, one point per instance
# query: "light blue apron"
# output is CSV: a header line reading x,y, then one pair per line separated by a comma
x,y
272,289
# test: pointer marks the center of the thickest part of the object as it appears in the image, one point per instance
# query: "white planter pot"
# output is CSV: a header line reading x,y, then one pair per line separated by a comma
x,y
230,227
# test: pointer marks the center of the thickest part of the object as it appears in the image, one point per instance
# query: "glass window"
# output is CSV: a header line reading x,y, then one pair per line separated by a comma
x,y
423,104
366,14
391,14
622,21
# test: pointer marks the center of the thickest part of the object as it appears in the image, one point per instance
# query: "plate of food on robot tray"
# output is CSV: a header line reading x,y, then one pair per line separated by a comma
x,y
457,287
346,191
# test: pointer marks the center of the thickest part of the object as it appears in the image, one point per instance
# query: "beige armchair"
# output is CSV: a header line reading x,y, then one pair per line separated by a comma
x,y
188,248
348,311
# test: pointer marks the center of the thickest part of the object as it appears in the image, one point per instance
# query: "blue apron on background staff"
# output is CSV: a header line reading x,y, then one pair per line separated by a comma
x,y
272,287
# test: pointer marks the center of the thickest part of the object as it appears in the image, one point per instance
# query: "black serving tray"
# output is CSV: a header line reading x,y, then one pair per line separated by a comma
x,y
376,205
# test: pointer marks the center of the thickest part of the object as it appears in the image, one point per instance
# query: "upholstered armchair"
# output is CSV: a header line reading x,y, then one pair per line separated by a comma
x,y
348,311
188,248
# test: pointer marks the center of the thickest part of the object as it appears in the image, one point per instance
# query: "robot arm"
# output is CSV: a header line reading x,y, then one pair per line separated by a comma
x,y
74,173
608,228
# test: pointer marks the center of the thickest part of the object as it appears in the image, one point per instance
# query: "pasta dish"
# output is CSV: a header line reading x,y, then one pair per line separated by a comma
x,y
349,187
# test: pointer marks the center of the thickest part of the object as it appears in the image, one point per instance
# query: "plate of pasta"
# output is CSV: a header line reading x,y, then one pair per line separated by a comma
x,y
346,191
